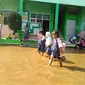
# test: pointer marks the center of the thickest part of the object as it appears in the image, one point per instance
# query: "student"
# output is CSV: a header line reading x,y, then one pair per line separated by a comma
x,y
81,44
55,52
26,33
48,43
41,43
26,36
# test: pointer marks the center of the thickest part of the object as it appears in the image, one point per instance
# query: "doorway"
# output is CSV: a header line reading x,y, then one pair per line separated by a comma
x,y
71,29
45,26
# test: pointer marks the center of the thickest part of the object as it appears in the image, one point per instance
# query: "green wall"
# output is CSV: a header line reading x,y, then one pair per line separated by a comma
x,y
83,18
10,5
37,7
52,16
69,2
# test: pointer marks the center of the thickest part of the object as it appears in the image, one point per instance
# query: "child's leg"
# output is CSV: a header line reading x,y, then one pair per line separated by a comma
x,y
47,52
42,50
60,62
39,51
42,54
51,59
39,48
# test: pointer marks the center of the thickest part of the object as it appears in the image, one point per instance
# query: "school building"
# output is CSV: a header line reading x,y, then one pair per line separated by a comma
x,y
66,16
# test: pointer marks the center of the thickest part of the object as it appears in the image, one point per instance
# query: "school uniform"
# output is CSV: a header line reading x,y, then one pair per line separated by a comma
x,y
26,34
41,44
55,49
48,45
59,42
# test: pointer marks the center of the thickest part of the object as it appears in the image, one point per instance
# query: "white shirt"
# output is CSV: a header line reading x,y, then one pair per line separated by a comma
x,y
43,37
59,42
48,41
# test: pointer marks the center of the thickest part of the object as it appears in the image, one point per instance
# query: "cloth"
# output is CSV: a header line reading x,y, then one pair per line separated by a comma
x,y
59,42
48,41
55,49
41,43
48,50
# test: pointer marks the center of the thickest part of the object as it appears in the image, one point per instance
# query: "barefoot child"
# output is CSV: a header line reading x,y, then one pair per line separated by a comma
x,y
55,52
48,43
26,33
62,47
41,43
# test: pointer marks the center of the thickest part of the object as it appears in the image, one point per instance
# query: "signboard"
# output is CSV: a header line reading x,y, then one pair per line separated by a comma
x,y
25,17
23,25
36,31
34,28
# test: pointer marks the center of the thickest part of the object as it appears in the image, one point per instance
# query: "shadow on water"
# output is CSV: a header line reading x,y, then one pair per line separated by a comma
x,y
69,62
73,50
75,68
72,68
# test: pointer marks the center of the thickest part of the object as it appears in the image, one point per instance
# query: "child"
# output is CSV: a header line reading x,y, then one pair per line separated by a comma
x,y
81,44
39,39
55,52
62,47
26,33
48,43
41,43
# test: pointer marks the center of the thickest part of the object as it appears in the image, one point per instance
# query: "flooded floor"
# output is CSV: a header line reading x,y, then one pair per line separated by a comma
x,y
24,66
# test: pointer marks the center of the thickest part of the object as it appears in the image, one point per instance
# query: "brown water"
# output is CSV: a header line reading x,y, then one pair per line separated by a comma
x,y
24,66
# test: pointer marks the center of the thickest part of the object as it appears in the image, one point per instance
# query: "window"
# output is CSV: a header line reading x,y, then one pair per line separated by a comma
x,y
5,15
33,15
5,20
39,16
40,21
46,17
33,20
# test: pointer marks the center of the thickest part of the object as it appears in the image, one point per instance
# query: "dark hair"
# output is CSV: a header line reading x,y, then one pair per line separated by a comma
x,y
27,25
56,33
41,32
14,32
82,38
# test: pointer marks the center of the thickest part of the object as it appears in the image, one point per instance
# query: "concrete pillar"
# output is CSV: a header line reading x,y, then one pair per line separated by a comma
x,y
21,13
56,17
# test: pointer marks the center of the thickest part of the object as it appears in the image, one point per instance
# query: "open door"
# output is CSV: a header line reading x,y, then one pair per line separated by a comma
x,y
45,26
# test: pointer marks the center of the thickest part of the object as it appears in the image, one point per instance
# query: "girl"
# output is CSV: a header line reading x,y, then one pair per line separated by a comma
x,y
62,47
48,43
41,43
55,52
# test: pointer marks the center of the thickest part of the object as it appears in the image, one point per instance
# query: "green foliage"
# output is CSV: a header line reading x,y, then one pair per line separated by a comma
x,y
14,21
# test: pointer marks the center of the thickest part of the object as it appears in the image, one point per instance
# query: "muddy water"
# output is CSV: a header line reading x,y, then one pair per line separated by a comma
x,y
24,66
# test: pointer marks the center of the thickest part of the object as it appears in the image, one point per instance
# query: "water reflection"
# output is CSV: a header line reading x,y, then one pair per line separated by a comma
x,y
73,50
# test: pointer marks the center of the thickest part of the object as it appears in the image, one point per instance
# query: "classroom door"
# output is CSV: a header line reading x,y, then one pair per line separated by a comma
x,y
71,29
45,26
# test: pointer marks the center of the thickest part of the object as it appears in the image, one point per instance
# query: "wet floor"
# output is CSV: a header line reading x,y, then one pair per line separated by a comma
x,y
24,66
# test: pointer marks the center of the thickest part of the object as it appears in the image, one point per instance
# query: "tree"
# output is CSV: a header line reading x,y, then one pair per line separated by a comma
x,y
14,21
